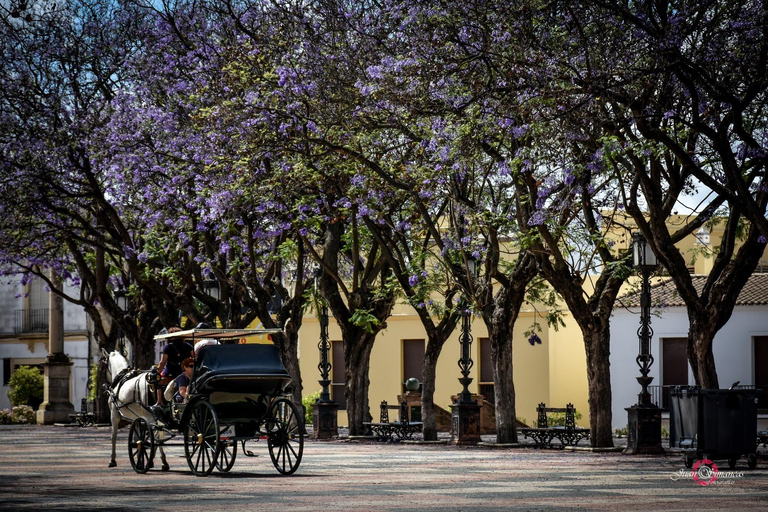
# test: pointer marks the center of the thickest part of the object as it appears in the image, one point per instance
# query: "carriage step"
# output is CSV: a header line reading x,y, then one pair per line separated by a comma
x,y
160,413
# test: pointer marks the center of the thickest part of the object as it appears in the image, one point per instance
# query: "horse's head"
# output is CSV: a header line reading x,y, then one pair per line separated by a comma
x,y
116,362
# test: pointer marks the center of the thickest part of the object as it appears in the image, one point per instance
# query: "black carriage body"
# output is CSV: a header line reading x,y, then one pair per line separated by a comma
x,y
234,397
239,381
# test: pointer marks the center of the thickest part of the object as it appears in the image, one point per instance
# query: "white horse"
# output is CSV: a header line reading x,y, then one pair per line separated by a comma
x,y
129,397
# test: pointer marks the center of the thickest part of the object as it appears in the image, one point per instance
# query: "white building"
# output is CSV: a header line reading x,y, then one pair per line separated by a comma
x,y
740,347
24,336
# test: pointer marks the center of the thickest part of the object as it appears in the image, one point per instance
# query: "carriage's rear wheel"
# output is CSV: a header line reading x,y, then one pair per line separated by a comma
x,y
141,445
285,441
227,454
201,438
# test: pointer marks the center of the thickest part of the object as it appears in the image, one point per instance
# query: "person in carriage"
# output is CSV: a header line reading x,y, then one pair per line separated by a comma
x,y
174,353
177,390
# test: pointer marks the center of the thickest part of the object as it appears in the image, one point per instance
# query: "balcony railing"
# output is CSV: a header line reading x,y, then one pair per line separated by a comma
x,y
660,395
30,320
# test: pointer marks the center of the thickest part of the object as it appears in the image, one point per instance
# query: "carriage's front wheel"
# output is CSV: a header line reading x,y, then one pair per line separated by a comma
x,y
201,438
285,441
141,445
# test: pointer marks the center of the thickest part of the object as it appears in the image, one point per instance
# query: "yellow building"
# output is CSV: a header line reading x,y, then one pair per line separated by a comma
x,y
553,372
395,358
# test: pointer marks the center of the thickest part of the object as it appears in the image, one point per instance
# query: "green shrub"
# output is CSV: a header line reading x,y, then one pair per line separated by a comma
x,y
624,432
308,401
19,415
93,383
26,385
557,419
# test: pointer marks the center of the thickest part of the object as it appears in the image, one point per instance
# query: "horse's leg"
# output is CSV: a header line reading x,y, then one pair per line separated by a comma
x,y
115,420
165,466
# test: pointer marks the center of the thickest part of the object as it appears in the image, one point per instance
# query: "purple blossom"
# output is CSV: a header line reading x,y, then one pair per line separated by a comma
x,y
537,219
413,280
534,339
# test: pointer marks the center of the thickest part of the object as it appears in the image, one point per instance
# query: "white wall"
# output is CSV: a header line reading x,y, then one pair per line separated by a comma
x,y
732,349
18,349
76,349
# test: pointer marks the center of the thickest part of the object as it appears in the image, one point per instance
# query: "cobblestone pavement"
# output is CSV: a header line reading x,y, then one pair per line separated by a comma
x,y
59,468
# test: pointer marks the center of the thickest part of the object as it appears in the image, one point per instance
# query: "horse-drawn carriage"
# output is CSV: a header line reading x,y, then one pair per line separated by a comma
x,y
238,393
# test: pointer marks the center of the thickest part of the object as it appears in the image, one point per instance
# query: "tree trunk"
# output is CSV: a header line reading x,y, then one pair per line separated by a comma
x,y
504,387
289,354
102,403
431,356
358,360
144,350
597,344
700,338
500,315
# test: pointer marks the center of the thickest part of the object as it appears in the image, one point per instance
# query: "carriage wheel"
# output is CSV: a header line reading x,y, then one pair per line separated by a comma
x,y
285,441
141,445
227,455
201,438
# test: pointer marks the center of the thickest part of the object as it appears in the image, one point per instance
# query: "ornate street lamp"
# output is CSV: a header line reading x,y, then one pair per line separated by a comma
x,y
212,289
324,366
644,261
121,299
465,412
465,340
644,418
325,421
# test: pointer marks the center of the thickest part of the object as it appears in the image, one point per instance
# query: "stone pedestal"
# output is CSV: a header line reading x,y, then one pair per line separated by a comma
x,y
325,424
56,406
643,430
465,423
412,401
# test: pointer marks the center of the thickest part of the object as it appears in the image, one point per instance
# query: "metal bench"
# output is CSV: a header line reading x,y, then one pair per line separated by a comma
x,y
385,430
83,418
544,435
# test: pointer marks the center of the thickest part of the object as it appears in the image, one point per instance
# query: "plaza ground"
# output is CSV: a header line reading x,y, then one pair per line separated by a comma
x,y
65,469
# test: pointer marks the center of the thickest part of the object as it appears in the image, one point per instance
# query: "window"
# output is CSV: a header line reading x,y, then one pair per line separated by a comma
x,y
486,371
11,365
338,372
761,370
413,361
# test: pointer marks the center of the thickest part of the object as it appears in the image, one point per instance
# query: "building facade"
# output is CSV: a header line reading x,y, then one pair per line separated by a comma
x,y
24,336
740,348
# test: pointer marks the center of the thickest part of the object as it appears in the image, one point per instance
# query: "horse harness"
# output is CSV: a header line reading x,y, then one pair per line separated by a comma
x,y
126,374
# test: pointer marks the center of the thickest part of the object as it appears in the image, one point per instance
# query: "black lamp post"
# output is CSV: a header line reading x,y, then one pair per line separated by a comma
x,y
644,418
324,366
465,361
465,412
121,299
644,260
325,424
212,289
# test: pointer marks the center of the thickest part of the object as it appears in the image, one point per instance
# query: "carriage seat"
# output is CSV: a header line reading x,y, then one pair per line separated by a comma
x,y
250,368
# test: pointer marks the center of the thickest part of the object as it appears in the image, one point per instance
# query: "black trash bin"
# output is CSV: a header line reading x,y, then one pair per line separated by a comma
x,y
714,423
